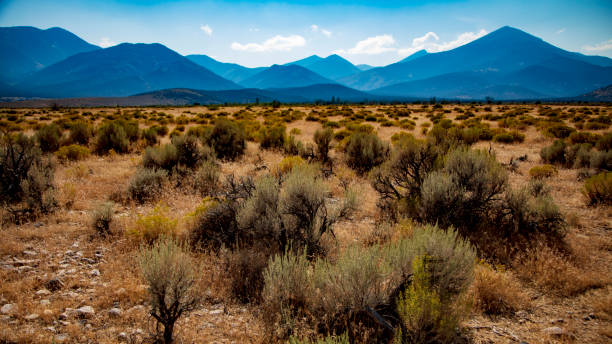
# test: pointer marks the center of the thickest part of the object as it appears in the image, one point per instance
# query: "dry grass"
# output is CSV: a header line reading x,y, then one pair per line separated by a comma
x,y
497,292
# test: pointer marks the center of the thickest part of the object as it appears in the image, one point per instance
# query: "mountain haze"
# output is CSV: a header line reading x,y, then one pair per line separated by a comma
x,y
25,50
283,77
332,67
122,70
230,71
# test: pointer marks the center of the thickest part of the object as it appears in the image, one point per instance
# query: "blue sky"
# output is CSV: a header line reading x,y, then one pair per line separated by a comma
x,y
257,33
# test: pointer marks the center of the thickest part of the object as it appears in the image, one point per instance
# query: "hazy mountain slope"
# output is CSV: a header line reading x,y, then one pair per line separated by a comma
x,y
230,71
332,67
415,56
24,49
603,94
122,70
462,85
505,50
284,77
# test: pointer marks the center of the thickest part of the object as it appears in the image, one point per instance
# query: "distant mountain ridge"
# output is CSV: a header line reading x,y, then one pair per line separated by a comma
x,y
332,67
231,71
25,50
503,51
506,64
122,70
285,76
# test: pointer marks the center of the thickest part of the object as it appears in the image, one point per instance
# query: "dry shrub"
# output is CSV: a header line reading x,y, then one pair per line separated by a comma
x,y
598,189
287,164
365,151
227,139
146,185
206,178
245,269
72,153
154,225
102,218
555,272
49,137
497,292
341,339
169,273
543,171
111,136
322,139
26,178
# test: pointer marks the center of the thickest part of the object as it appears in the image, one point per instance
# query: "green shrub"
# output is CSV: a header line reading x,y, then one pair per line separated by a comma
x,y
583,137
170,276
604,143
322,139
72,153
132,131
598,189
49,137
543,171
425,316
601,160
227,139
463,192
287,282
189,152
26,178
150,136
111,136
206,178
559,131
365,151
164,157
146,184
80,133
555,153
272,137
102,218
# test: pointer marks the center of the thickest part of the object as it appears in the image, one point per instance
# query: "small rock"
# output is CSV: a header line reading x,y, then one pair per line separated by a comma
x,y
85,311
31,317
554,331
95,272
60,338
122,337
557,321
45,302
48,312
51,329
8,308
521,314
120,291
43,292
54,284
114,312
215,312
30,253
38,224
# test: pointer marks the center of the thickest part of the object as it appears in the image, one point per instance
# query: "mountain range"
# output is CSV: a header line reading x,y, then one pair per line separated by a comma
x,y
506,64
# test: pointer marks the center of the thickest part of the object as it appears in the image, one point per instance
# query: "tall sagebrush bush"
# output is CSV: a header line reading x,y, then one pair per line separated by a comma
x,y
365,151
227,139
26,177
169,274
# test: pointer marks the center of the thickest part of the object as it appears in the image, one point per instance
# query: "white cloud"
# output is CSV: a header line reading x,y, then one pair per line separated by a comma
x,y
276,43
207,29
372,46
316,28
253,29
560,31
430,40
607,45
106,42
